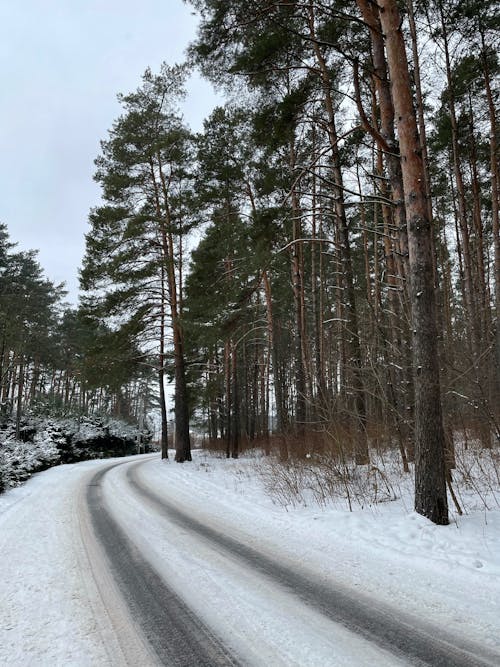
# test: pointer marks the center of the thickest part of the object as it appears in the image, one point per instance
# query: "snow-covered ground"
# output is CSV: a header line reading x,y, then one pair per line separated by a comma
x,y
51,611
46,614
448,575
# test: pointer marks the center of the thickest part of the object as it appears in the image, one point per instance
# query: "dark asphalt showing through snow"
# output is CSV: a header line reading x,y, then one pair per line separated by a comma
x,y
178,637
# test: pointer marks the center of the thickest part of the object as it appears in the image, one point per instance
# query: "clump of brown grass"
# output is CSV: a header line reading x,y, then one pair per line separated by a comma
x,y
320,469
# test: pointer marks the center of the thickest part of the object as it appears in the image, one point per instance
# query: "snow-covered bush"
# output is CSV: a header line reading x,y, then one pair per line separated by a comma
x,y
47,441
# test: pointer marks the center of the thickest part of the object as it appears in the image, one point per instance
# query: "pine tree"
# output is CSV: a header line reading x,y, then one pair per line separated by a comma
x,y
430,471
134,259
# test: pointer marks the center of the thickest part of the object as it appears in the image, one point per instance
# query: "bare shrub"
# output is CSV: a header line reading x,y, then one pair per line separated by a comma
x,y
326,476
320,469
477,473
284,481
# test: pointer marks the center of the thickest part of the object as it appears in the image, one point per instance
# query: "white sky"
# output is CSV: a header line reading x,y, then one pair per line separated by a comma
x,y
62,63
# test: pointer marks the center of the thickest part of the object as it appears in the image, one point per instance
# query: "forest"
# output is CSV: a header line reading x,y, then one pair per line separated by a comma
x,y
317,272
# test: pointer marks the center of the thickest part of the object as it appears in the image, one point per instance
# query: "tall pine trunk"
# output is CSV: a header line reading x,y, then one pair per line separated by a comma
x,y
430,472
174,284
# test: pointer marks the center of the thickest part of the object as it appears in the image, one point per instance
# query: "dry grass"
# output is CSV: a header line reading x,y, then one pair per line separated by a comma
x,y
319,469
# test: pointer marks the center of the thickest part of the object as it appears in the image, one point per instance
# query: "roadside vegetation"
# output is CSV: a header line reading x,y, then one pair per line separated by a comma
x,y
316,273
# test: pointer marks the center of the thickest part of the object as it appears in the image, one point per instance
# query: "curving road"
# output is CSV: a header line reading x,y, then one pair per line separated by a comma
x,y
180,590
174,634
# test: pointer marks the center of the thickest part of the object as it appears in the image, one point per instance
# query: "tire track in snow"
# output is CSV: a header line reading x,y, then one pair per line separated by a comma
x,y
177,637
405,637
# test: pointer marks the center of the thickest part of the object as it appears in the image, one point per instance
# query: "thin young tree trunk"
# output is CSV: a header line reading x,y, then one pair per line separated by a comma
x,y
34,381
361,444
3,359
12,383
236,428
20,389
281,416
228,415
495,186
480,283
161,371
254,426
297,283
264,399
319,389
461,201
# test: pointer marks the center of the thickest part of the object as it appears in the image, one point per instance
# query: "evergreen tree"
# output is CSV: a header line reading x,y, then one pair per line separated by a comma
x,y
133,267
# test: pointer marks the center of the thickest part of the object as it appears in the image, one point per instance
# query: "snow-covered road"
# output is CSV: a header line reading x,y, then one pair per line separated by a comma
x,y
138,562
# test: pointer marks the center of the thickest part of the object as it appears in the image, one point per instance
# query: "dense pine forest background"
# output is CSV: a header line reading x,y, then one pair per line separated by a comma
x,y
317,273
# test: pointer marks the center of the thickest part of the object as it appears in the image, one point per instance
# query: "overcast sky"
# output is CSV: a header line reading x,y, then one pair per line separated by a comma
x,y
62,63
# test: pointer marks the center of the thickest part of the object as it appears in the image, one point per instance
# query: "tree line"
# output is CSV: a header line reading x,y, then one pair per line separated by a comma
x,y
343,287
55,359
